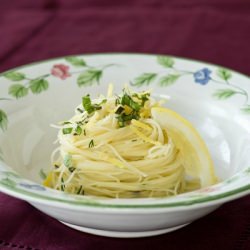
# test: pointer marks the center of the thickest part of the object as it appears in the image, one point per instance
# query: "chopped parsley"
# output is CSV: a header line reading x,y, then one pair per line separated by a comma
x,y
80,191
68,163
67,131
66,122
143,98
129,107
42,174
91,144
72,169
127,100
117,101
88,106
119,110
62,184
80,110
78,130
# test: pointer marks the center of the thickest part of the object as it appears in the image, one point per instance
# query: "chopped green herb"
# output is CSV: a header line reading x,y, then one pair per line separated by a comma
x,y
88,106
78,130
103,101
72,169
66,122
79,110
42,174
79,191
67,161
121,124
84,132
117,101
134,104
86,103
56,166
144,98
67,131
119,110
125,119
127,100
62,184
91,144
80,122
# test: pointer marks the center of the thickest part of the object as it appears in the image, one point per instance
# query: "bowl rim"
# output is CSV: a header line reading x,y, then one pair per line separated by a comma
x,y
122,54
186,203
89,203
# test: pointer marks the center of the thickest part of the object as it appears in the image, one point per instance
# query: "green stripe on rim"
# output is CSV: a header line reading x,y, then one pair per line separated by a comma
x,y
94,203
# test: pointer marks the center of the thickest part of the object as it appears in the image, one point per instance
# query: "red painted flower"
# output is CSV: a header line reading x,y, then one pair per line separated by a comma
x,y
61,71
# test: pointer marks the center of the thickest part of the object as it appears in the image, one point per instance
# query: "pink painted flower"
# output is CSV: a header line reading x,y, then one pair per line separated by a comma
x,y
61,71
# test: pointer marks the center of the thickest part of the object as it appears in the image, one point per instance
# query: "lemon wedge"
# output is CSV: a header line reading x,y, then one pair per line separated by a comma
x,y
197,160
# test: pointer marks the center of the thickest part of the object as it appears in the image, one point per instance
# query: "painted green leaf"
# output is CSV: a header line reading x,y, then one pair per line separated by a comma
x,y
8,182
5,99
169,79
89,77
224,93
42,174
18,90
145,78
246,109
38,85
165,61
3,120
224,74
76,61
14,76
11,174
1,155
232,179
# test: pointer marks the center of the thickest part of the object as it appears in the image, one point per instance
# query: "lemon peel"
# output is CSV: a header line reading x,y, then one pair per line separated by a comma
x,y
197,160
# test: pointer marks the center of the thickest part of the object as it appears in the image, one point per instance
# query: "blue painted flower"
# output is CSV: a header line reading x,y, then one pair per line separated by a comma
x,y
202,76
32,186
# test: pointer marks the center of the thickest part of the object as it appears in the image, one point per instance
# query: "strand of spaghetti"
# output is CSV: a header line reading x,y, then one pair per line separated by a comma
x,y
159,132
129,166
52,158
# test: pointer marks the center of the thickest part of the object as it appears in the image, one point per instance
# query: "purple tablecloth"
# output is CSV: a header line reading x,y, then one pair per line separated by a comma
x,y
217,31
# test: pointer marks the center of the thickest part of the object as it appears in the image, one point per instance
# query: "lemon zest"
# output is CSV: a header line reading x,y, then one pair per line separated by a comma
x,y
127,109
144,137
141,125
47,181
112,160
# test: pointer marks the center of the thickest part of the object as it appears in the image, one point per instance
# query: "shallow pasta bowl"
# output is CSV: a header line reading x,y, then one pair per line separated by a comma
x,y
214,99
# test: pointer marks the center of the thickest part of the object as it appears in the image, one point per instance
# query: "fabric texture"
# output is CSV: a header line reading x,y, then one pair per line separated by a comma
x,y
216,31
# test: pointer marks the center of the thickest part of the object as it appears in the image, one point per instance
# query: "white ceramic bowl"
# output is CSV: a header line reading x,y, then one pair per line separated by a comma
x,y
32,97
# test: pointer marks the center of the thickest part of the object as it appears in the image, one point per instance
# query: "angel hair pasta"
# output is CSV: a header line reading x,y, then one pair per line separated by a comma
x,y
113,147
